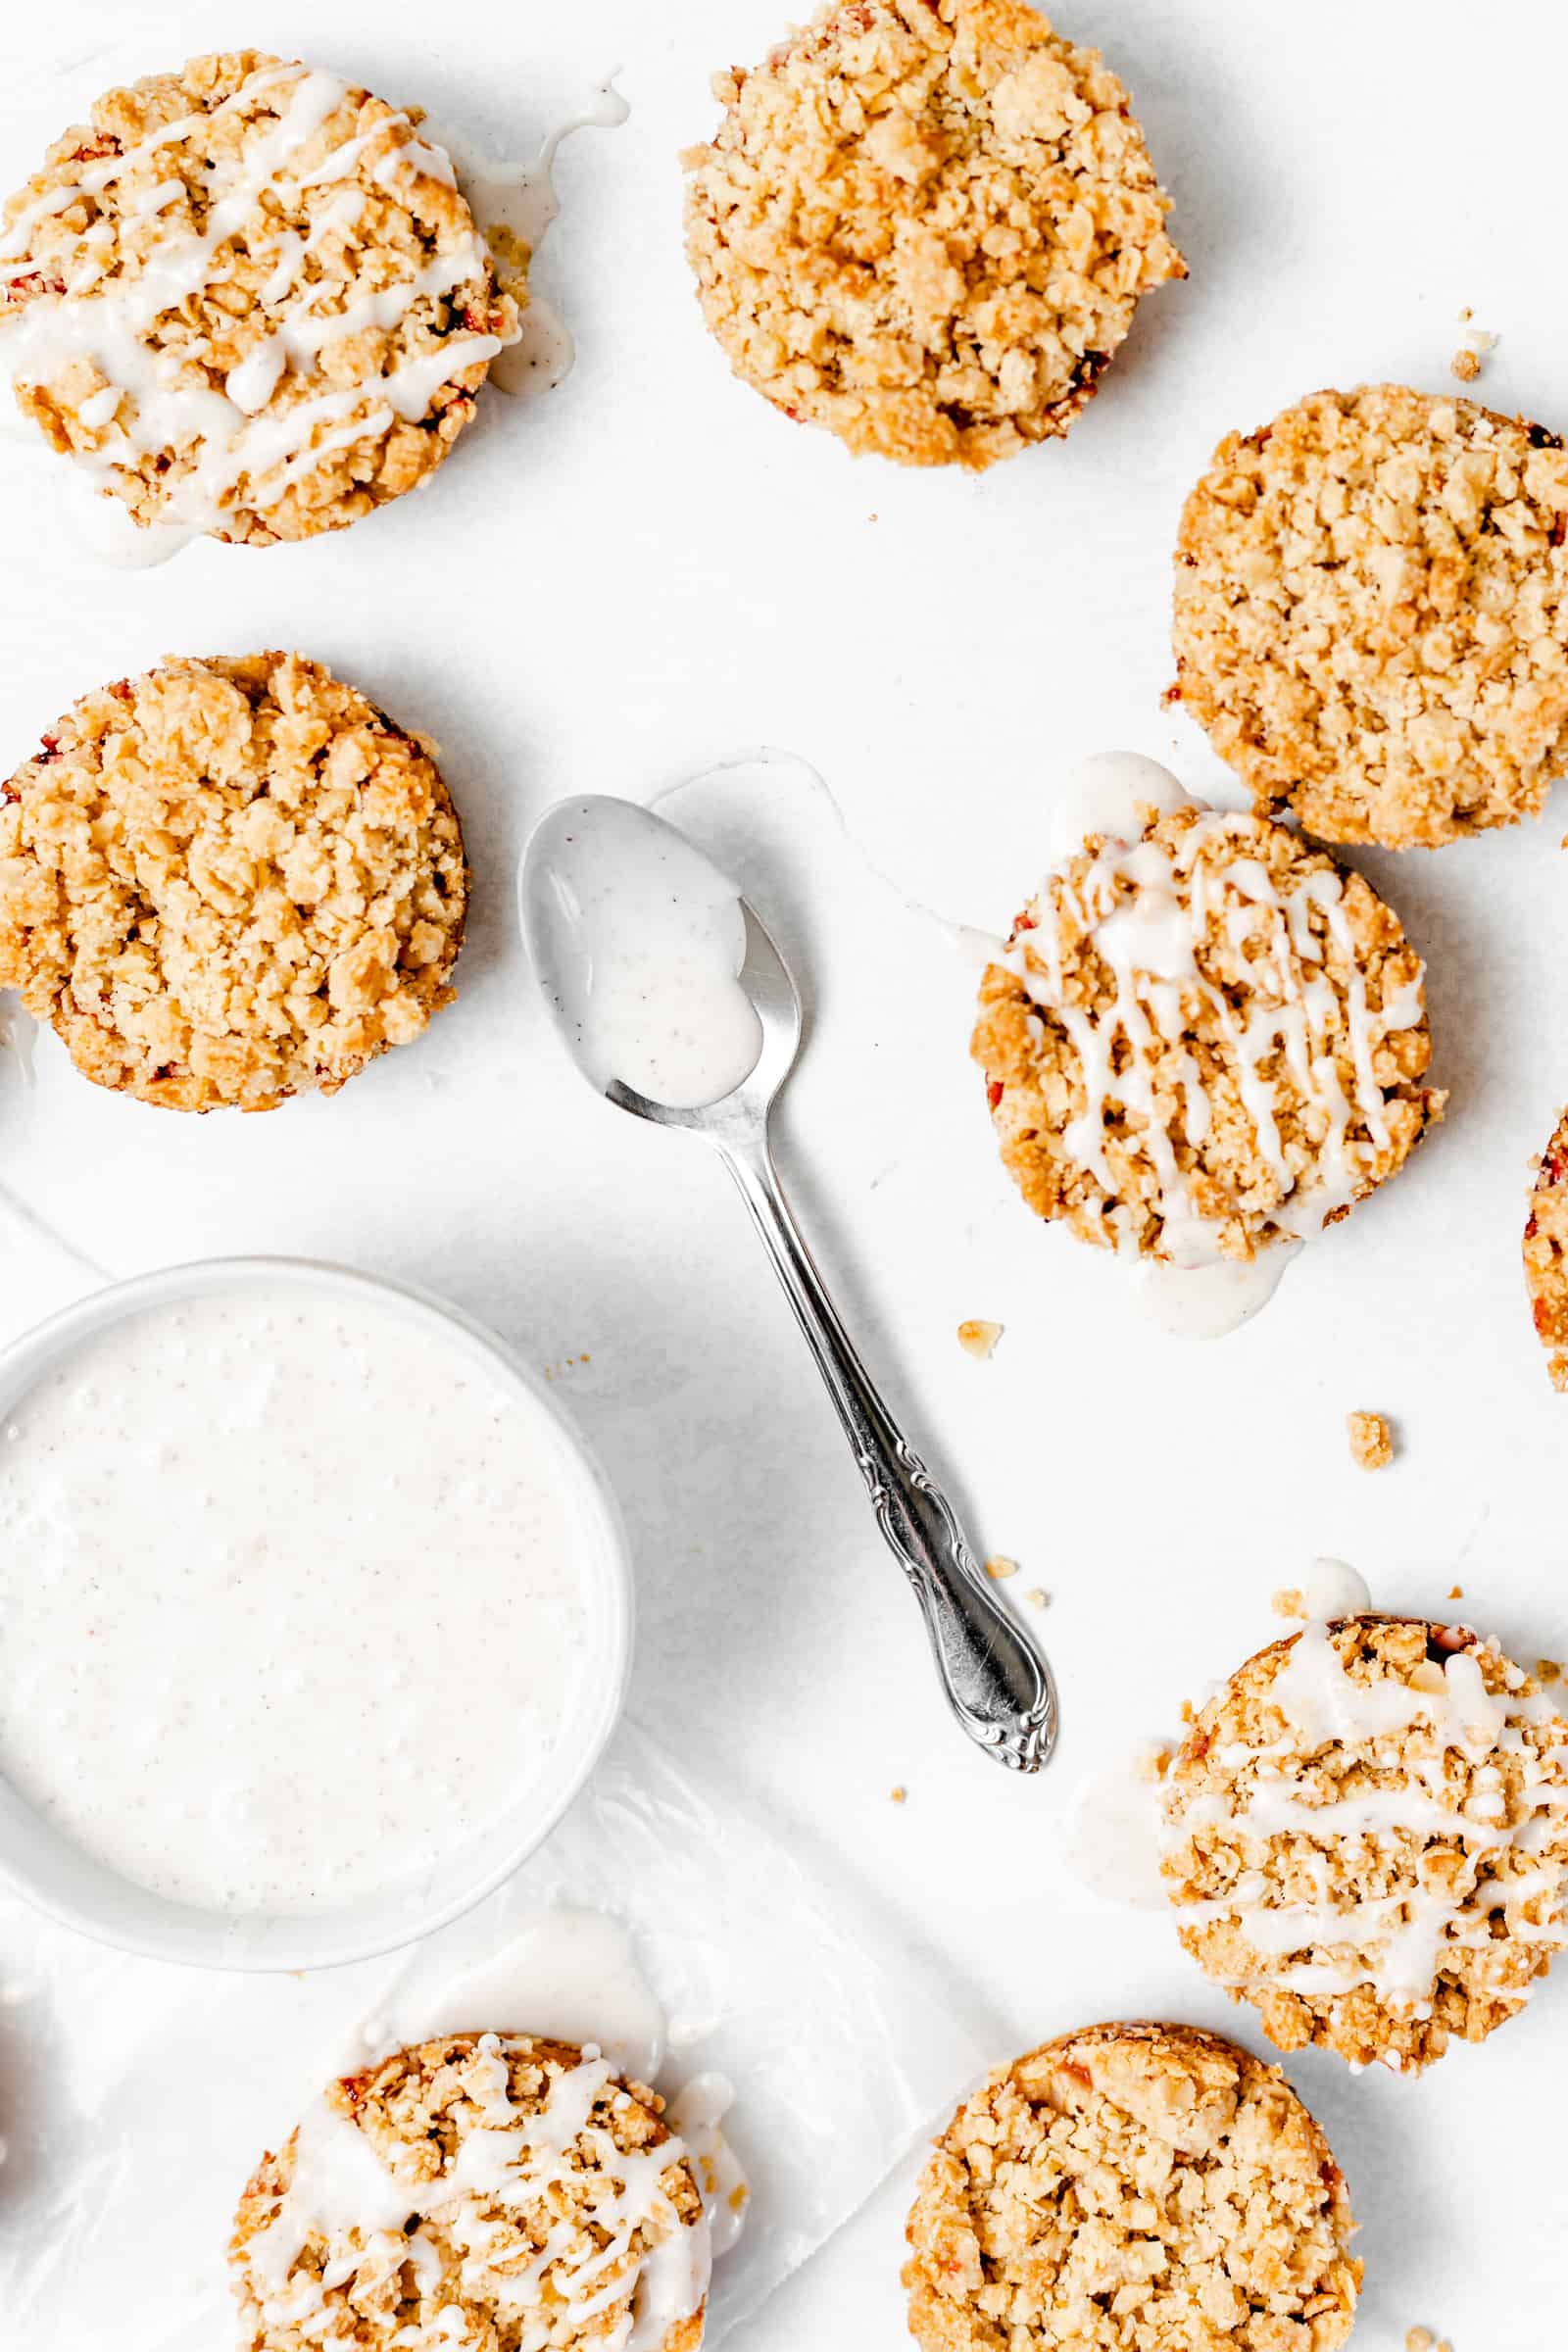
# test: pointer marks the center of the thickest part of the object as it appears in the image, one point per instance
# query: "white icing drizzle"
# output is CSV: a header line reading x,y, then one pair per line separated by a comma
x,y
1394,1942
520,198
340,2186
1153,941
242,434
697,2113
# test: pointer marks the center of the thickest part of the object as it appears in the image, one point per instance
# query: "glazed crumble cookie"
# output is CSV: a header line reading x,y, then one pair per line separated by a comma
x,y
1371,615
1203,1039
1546,1255
1132,2188
480,2193
249,300
1366,1838
926,225
228,882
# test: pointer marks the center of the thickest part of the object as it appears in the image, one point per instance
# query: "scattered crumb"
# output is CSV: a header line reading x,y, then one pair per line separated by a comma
x,y
1473,352
1187,1712
979,1339
900,1794
998,1565
1154,1761
1038,1597
1548,1670
1420,2339
1371,1440
1456,1591
1466,313
1291,1602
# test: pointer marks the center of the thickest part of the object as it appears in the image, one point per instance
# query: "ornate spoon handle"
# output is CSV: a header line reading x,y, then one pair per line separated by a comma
x,y
998,1684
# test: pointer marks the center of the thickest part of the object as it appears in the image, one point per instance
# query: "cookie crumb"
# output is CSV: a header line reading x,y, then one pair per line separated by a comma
x,y
1420,2339
999,1566
1456,1591
1371,1440
979,1339
1154,1761
900,1794
1037,1599
1465,365
1291,1602
1548,1670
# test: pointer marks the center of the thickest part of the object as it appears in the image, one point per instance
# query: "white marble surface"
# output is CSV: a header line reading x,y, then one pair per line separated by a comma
x,y
650,572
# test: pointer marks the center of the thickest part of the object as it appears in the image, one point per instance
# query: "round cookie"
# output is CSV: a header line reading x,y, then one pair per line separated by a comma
x,y
1204,1040
228,882
249,300
479,2191
1365,1835
1371,615
926,225
1132,2188
1545,1254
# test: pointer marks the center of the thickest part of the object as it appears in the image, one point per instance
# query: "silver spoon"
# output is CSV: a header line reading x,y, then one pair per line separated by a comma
x,y
998,1683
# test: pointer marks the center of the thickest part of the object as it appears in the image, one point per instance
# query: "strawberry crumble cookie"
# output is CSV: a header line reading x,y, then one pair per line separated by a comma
x,y
1365,1835
228,882
926,225
485,2192
248,298
1546,1255
1132,2188
1371,615
1204,1040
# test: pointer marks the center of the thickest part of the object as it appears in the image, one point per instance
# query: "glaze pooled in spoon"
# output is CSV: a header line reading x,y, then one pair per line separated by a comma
x,y
640,941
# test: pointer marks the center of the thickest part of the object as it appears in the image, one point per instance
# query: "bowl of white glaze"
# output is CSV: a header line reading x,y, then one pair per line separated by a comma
x,y
315,1613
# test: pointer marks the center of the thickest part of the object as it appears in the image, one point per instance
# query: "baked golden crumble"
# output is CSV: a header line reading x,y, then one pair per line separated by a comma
x,y
926,225
1132,2188
1248,1093
228,882
475,2230
1366,1838
1546,1255
250,300
1371,615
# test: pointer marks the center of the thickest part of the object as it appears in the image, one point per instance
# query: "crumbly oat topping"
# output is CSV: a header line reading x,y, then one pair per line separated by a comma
x,y
459,2228
249,298
1371,1440
1546,1252
979,1339
1132,2188
1290,1602
1000,1567
228,882
1465,363
926,225
1366,1838
1205,1044
1371,615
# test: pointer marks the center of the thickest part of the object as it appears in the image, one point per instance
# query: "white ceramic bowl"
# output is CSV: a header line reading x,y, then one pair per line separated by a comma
x,y
46,1866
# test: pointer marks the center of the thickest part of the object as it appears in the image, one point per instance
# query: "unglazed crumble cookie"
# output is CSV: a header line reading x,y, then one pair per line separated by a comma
x,y
1132,2188
1546,1255
1371,615
249,300
486,2192
926,225
1365,1835
1203,1039
228,882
